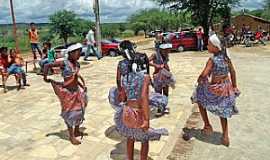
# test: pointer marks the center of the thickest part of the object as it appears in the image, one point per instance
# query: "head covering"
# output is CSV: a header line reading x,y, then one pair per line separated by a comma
x,y
74,47
215,41
165,46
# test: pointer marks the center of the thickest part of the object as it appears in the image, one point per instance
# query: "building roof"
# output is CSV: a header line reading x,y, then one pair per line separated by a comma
x,y
254,17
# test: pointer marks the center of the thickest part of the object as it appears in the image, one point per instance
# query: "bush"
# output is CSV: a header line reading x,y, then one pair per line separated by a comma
x,y
127,33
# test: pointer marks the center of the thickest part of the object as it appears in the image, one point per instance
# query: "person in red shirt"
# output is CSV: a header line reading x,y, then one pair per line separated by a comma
x,y
4,66
34,40
200,35
15,68
259,36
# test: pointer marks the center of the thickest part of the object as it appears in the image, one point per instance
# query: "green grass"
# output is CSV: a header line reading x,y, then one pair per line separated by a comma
x,y
6,36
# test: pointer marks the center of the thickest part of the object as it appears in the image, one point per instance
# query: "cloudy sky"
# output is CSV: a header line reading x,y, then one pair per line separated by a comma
x,y
111,10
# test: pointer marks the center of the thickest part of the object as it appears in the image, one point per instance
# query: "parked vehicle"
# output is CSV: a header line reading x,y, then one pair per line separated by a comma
x,y
249,38
109,48
185,40
150,34
115,40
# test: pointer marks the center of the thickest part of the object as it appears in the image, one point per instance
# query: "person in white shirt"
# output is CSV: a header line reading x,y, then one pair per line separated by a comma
x,y
90,38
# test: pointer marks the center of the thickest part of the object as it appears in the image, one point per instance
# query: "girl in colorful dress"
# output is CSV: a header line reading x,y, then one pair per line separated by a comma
x,y
217,95
72,93
117,95
132,119
162,76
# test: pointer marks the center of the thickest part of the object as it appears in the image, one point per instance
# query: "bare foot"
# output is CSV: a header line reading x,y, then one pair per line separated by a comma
x,y
19,87
78,134
225,141
207,130
5,90
74,141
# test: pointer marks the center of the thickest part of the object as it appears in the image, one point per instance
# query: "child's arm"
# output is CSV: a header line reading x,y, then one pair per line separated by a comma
x,y
145,103
206,71
83,85
232,74
49,66
118,78
151,62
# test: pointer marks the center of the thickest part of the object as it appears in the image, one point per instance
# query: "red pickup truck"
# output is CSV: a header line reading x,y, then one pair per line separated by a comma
x,y
186,40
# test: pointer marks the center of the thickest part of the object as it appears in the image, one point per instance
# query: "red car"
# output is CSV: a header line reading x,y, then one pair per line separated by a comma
x,y
109,48
185,41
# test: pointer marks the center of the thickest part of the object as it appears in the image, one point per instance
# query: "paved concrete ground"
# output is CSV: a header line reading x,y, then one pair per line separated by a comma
x,y
31,128
249,131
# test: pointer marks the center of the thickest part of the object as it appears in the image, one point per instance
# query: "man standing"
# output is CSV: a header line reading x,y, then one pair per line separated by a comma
x,y
90,37
200,34
34,40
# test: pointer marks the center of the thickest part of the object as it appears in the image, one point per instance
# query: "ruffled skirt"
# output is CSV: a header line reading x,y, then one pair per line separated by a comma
x,y
156,100
137,134
216,98
73,102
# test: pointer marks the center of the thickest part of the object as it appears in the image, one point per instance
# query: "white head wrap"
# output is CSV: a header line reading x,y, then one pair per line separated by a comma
x,y
165,46
74,47
215,41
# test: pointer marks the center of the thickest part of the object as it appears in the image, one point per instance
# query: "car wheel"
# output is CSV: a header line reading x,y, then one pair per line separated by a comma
x,y
112,53
180,49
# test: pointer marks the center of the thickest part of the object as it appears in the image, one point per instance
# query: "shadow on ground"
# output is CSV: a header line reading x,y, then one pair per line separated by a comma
x,y
119,152
9,88
63,134
214,138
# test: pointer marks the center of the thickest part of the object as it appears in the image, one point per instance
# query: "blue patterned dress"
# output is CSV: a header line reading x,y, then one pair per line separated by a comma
x,y
133,84
162,78
218,98
156,100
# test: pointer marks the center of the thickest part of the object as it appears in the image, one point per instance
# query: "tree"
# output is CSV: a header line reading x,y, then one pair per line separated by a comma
x,y
122,27
266,12
82,26
109,30
203,11
152,19
63,24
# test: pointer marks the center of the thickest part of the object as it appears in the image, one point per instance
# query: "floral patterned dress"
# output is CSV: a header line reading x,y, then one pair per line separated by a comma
x,y
218,98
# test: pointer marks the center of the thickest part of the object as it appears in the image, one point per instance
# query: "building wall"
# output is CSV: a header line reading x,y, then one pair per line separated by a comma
x,y
252,22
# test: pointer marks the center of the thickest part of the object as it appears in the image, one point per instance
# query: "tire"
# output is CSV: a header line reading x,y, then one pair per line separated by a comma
x,y
180,49
112,53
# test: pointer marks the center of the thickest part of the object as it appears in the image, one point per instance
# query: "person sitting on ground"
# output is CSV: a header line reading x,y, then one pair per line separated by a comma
x,y
3,65
15,67
49,54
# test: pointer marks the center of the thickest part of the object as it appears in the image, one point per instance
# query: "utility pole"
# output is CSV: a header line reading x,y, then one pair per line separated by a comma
x,y
14,26
98,34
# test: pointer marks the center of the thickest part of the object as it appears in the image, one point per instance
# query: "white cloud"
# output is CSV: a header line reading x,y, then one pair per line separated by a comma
x,y
39,10
111,10
251,4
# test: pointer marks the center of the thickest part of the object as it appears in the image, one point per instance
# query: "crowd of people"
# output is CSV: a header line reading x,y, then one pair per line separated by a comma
x,y
132,98
244,36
